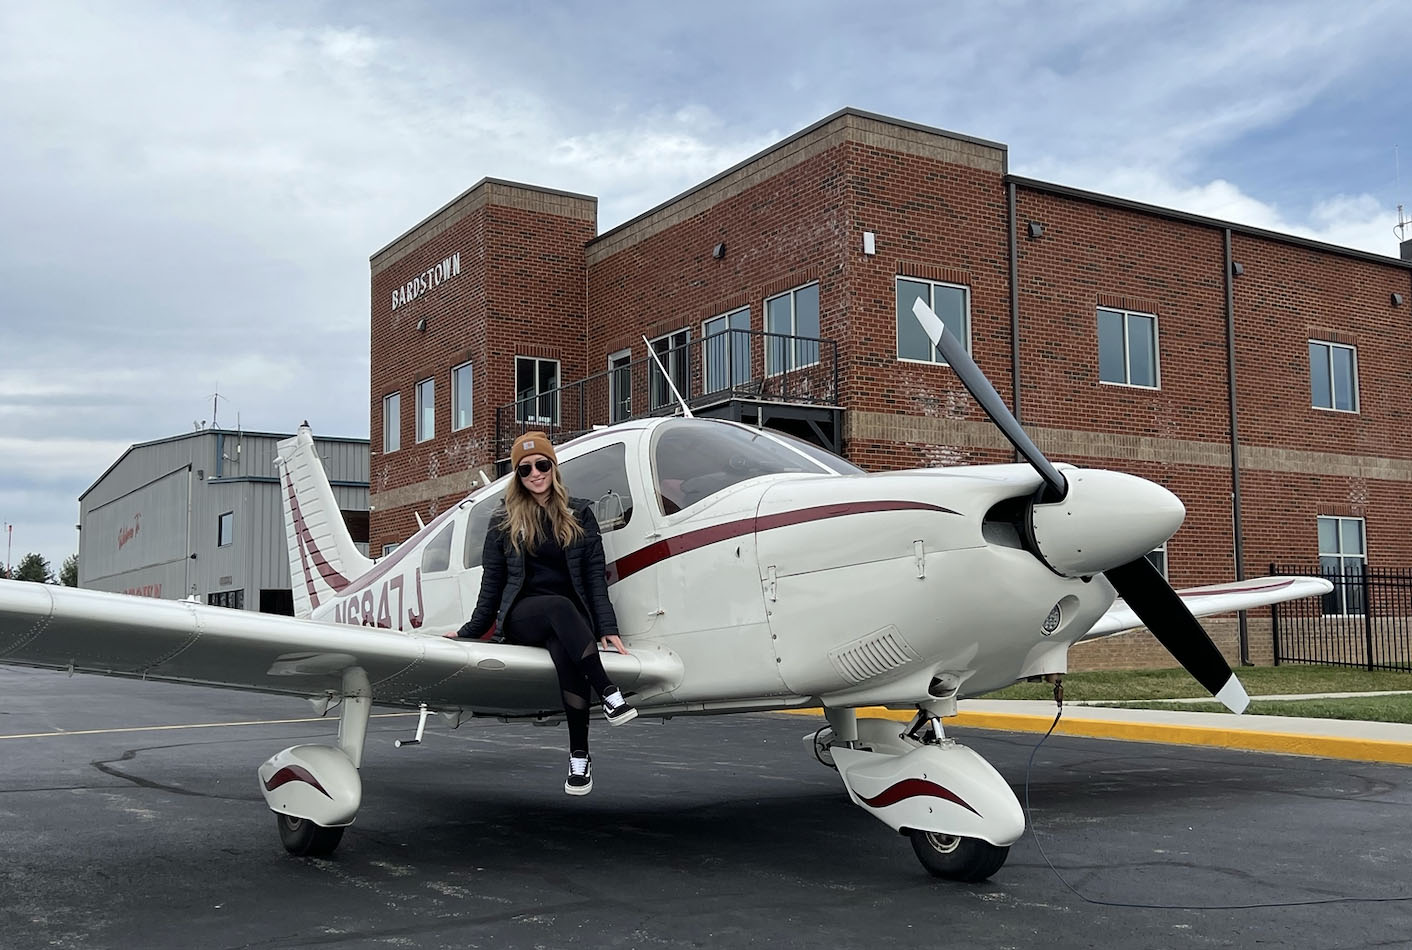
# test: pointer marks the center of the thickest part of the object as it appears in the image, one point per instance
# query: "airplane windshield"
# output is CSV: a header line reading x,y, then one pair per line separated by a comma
x,y
694,459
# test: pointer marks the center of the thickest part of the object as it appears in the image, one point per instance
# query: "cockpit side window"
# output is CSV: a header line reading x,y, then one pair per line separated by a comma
x,y
436,556
601,476
694,459
476,527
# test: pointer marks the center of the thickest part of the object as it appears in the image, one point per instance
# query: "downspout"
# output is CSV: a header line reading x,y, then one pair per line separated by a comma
x,y
1237,527
1014,303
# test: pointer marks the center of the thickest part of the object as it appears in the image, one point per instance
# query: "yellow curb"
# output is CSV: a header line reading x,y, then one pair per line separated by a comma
x,y
1330,747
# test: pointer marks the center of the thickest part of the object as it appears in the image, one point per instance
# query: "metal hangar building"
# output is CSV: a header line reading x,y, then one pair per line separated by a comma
x,y
200,515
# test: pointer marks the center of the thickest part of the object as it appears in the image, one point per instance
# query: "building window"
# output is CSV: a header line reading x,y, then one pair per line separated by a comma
x,y
1343,554
673,352
1157,557
792,322
389,548
1333,376
225,529
950,302
426,409
234,599
1127,348
536,390
620,386
725,348
461,397
392,422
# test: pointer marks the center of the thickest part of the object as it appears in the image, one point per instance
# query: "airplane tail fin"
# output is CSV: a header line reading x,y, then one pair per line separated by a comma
x,y
323,558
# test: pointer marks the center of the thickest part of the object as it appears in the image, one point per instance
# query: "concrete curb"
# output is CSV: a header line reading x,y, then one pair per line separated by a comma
x,y
1257,740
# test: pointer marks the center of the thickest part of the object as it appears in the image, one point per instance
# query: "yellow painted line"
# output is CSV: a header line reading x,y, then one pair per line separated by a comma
x,y
191,725
1331,747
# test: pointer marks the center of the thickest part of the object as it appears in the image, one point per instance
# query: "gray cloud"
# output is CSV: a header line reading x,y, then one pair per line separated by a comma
x,y
191,194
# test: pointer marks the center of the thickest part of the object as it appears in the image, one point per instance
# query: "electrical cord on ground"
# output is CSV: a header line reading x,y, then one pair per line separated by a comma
x,y
1034,833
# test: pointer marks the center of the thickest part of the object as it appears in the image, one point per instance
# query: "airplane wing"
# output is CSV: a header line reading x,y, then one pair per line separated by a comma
x,y
84,631
1218,599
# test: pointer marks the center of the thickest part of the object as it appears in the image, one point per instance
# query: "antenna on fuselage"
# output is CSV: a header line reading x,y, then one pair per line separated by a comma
x,y
685,409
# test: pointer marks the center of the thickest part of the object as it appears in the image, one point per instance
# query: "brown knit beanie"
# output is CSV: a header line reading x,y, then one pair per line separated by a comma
x,y
532,443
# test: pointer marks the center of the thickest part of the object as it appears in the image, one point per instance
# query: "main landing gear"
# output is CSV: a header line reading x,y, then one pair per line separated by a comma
x,y
959,813
315,790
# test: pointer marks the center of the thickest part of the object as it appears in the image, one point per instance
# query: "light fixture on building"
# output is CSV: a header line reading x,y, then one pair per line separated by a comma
x,y
1237,268
422,325
870,243
719,251
1036,229
1397,300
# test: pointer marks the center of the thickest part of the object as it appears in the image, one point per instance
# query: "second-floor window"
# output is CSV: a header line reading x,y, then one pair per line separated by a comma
x,y
426,409
620,386
536,391
392,422
1127,348
225,529
950,302
725,346
461,397
792,322
1333,376
673,350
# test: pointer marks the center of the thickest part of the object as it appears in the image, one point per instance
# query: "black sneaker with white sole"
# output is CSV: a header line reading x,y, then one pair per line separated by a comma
x,y
580,780
616,709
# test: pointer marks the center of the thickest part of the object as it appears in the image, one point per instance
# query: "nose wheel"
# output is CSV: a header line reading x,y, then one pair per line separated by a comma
x,y
957,858
300,836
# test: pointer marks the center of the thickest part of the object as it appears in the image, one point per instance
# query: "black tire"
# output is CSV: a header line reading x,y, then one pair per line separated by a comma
x,y
956,858
302,837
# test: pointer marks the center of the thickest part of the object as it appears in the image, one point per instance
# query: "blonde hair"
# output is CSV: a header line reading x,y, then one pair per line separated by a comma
x,y
522,522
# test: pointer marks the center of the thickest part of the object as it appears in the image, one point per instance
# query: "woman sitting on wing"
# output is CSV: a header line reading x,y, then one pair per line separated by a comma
x,y
543,584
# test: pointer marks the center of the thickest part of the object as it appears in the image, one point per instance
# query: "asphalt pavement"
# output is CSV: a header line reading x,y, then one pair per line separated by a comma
x,y
130,818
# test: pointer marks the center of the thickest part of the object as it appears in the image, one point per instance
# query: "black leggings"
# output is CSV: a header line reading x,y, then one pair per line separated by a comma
x,y
555,623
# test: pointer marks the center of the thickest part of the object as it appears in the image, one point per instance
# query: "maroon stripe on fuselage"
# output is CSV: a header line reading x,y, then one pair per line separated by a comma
x,y
643,558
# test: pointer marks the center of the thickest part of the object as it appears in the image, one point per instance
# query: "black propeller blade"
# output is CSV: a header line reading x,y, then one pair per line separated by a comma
x,y
1137,582
1159,608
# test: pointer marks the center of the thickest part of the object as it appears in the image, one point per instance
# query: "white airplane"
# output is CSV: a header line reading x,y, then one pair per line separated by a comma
x,y
749,571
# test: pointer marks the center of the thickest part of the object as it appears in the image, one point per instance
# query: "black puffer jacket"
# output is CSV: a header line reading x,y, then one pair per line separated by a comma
x,y
503,576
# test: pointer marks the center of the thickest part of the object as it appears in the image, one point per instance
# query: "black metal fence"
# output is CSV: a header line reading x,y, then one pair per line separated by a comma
x,y
731,364
1365,621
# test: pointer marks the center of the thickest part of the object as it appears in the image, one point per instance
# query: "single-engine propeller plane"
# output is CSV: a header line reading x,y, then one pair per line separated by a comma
x,y
750,571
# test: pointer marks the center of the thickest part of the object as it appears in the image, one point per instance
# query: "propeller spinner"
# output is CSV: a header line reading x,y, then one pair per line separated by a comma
x,y
1136,581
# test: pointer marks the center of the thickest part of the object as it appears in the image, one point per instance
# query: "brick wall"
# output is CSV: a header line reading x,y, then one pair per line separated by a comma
x,y
537,282
520,292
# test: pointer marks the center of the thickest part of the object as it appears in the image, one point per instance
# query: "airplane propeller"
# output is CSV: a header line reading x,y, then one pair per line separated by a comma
x,y
1140,584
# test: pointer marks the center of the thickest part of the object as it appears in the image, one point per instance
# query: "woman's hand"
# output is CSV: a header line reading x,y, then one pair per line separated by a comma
x,y
614,641
454,634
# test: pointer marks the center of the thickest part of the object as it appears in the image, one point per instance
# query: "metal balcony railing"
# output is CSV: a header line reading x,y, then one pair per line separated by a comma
x,y
713,370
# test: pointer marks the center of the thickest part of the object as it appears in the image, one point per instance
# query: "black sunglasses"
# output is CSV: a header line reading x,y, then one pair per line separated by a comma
x,y
540,465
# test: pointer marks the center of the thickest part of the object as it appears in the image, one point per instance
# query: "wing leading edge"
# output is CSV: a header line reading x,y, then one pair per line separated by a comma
x,y
85,631
1218,599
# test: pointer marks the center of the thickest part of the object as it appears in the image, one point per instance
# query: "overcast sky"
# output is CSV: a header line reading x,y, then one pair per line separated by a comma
x,y
189,193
